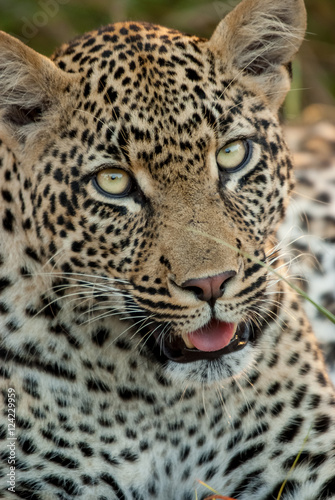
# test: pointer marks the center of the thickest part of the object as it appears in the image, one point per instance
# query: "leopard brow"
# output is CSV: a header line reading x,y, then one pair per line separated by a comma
x,y
235,132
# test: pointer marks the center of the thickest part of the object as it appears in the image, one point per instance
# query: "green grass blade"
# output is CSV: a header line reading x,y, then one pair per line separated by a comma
x,y
293,466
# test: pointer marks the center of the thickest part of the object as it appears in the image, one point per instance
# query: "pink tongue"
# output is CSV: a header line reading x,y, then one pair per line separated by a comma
x,y
212,337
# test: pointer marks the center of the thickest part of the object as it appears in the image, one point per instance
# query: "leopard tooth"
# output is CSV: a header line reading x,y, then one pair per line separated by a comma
x,y
234,336
187,341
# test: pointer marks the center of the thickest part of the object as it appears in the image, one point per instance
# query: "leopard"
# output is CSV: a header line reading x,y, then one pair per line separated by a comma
x,y
151,345
307,234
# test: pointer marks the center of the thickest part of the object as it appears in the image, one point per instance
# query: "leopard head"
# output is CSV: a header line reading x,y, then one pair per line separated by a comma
x,y
153,163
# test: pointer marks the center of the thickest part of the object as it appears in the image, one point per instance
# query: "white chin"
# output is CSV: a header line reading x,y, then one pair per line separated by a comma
x,y
212,371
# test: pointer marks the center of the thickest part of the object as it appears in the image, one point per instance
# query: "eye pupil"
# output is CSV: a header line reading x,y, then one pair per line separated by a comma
x,y
116,176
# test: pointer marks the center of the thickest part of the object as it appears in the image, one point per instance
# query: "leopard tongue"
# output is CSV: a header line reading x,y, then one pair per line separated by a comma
x,y
214,336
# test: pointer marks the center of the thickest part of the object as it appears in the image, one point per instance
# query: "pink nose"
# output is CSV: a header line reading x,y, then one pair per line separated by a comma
x,y
208,289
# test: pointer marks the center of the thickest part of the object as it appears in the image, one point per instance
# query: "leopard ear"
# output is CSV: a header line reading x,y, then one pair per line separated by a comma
x,y
260,38
29,83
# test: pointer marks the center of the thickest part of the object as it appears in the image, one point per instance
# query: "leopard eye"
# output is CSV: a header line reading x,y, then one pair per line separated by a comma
x,y
113,182
234,155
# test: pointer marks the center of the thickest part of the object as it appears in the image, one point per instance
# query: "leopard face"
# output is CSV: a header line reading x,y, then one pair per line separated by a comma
x,y
155,166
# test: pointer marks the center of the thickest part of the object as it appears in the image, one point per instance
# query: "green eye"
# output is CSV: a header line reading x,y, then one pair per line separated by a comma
x,y
234,155
113,182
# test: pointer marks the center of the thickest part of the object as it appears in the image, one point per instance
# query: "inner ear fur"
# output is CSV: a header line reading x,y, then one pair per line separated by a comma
x,y
260,38
29,84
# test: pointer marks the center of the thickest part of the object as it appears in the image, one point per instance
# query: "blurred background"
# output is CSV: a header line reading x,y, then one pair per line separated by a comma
x,y
45,24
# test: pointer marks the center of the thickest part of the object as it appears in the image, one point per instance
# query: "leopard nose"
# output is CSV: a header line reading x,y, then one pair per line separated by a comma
x,y
208,289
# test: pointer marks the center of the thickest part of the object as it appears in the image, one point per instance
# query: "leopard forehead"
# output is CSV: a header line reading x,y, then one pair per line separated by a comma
x,y
158,103
159,97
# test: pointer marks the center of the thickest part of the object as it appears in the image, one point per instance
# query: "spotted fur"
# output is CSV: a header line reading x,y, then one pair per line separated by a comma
x,y
307,235
97,291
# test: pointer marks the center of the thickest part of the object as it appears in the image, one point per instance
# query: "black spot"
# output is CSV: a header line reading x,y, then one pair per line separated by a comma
x,y
294,358
4,309
210,473
251,482
26,444
23,423
289,432
26,489
85,449
314,401
128,394
321,379
243,456
192,75
290,486
4,373
199,91
61,459
7,195
69,486
209,117
32,254
123,345
87,89
128,455
107,478
94,384
100,336
322,424
86,429
323,198
314,461
258,430
58,175
8,221
77,246
234,440
273,360
30,386
207,457
152,490
274,148
251,270
58,370
118,73
273,389
110,96
12,326
4,283
327,489
306,368
299,396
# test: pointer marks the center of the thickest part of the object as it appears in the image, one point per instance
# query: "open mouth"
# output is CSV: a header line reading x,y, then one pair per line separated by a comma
x,y
210,342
